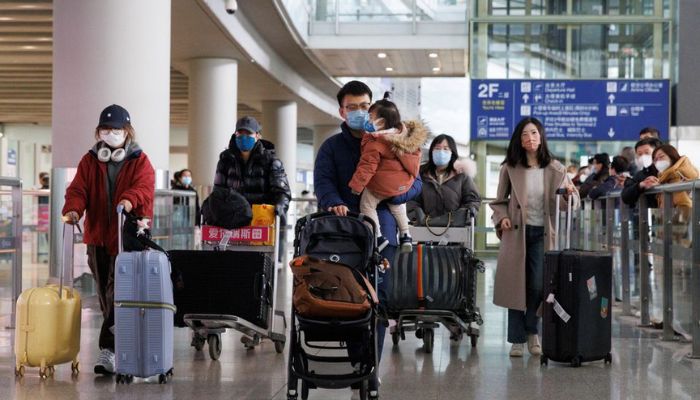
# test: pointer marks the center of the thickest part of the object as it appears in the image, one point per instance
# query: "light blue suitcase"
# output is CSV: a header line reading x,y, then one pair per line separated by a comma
x,y
143,316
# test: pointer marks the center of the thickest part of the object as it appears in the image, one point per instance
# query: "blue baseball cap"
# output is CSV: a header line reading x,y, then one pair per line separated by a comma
x,y
114,116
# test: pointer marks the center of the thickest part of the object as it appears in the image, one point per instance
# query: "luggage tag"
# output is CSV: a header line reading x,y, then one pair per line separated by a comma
x,y
592,288
558,308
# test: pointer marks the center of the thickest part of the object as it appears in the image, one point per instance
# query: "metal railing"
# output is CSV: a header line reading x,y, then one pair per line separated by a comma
x,y
174,219
11,239
661,236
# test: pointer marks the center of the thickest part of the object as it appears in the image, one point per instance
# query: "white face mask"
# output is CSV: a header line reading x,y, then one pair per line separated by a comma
x,y
571,175
113,137
662,165
583,177
644,161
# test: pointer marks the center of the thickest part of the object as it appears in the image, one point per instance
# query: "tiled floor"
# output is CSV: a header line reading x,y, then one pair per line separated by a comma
x,y
643,368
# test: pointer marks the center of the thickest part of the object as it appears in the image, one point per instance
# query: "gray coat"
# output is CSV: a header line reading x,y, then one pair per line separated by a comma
x,y
511,202
457,191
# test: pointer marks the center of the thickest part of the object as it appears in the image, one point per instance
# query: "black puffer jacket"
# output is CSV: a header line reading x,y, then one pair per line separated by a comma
x,y
261,180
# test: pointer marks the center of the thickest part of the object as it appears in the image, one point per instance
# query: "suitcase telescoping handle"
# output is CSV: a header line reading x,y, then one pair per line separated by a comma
x,y
67,253
560,192
120,228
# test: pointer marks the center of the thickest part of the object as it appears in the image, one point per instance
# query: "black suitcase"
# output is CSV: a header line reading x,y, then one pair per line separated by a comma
x,y
448,279
576,324
576,318
223,282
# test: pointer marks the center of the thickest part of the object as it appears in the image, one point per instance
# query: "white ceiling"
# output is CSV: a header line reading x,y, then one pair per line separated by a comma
x,y
26,64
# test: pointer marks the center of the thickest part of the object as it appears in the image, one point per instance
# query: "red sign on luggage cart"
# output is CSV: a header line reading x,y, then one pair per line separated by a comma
x,y
247,234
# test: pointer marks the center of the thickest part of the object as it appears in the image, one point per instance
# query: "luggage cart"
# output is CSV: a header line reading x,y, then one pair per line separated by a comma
x,y
209,327
425,321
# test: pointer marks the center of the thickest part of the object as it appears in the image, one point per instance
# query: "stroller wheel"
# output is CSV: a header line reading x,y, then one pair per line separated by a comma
x,y
304,390
364,390
428,340
395,338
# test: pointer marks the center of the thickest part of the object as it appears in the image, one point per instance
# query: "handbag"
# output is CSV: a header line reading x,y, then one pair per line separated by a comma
x,y
454,219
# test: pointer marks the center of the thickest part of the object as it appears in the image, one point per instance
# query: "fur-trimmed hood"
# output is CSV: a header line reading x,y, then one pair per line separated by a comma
x,y
411,137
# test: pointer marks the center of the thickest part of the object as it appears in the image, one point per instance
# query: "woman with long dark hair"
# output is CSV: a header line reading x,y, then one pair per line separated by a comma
x,y
446,186
524,215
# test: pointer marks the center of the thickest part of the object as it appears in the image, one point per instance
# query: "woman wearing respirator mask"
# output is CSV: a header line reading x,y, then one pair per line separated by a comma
x,y
183,181
114,172
674,168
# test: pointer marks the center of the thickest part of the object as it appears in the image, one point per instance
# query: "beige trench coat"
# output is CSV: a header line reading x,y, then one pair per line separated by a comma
x,y
511,202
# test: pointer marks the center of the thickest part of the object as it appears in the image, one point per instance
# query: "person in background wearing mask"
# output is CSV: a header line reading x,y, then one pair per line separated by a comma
x,y
183,181
649,132
618,169
335,165
581,176
391,153
599,173
674,168
445,187
571,171
250,167
114,172
646,174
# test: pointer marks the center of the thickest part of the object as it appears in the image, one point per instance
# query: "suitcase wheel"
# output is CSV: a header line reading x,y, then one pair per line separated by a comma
x,y
19,371
608,358
75,367
576,362
279,346
45,372
125,379
544,360
395,337
214,342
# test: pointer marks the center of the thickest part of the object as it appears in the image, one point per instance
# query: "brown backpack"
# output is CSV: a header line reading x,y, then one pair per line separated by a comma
x,y
324,289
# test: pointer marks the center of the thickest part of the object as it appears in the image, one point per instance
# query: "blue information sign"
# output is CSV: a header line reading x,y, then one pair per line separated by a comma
x,y
570,109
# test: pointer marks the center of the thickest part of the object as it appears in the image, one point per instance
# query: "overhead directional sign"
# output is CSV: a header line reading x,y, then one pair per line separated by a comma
x,y
570,109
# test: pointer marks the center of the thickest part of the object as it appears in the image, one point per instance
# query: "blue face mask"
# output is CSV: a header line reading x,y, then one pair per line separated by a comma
x,y
369,126
442,157
245,142
357,119
187,180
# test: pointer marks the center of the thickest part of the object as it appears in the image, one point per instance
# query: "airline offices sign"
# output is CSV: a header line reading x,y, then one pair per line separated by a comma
x,y
570,109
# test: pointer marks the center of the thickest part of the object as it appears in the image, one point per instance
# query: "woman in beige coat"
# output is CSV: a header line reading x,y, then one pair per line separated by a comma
x,y
524,214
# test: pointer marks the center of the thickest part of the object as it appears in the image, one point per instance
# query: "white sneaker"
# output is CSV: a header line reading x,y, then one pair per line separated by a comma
x,y
533,345
105,363
516,350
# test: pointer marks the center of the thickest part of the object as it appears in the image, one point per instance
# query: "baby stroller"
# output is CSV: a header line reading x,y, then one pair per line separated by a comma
x,y
335,353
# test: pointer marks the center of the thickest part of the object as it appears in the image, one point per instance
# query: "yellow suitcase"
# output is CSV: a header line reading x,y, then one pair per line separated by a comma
x,y
47,324
47,329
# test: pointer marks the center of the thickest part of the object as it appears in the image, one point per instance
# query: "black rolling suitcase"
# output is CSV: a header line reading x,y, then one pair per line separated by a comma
x,y
224,283
440,282
576,319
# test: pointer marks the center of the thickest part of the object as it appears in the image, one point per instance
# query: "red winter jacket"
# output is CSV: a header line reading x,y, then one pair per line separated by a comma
x,y
390,160
89,193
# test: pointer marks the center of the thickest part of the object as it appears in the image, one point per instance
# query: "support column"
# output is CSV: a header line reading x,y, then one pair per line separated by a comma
x,y
106,52
279,126
98,61
213,97
321,133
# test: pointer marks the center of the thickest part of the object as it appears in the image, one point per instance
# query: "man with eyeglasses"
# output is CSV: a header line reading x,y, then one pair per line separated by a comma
x,y
335,165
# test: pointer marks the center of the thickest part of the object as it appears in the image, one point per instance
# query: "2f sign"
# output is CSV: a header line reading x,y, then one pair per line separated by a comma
x,y
487,90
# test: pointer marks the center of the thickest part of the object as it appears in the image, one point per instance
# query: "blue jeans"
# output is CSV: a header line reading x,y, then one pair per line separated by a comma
x,y
521,324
